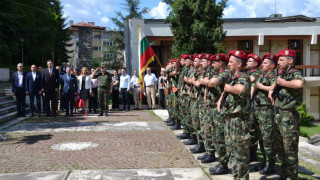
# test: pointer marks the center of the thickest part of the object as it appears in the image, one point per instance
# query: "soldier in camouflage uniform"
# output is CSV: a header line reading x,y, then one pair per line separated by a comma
x,y
104,88
253,63
168,88
191,99
287,93
215,87
235,102
263,112
184,98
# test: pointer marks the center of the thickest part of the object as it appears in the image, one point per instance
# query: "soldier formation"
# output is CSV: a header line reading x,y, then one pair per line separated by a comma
x,y
227,105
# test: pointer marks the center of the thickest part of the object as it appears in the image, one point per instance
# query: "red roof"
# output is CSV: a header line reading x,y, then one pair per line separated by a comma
x,y
82,24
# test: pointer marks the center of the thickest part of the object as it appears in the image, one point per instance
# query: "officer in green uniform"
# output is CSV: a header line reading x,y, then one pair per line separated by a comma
x,y
253,63
104,88
286,94
235,102
184,100
263,112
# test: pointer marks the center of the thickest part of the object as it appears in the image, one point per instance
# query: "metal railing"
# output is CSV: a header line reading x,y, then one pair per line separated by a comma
x,y
309,70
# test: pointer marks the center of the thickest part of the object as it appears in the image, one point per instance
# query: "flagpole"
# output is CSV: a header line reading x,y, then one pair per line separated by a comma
x,y
158,61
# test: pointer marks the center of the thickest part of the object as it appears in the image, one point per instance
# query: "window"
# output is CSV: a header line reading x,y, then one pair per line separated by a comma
x,y
109,55
296,45
96,37
96,48
108,43
245,46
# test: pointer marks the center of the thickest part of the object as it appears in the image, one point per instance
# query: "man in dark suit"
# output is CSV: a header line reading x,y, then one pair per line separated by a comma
x,y
18,89
33,88
40,70
69,88
50,81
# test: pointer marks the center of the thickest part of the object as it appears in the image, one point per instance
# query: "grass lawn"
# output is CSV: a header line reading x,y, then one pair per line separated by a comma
x,y
309,131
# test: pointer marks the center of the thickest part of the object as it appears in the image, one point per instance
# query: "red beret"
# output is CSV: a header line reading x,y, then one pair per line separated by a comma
x,y
205,56
287,52
270,57
255,57
219,57
186,56
174,60
238,54
197,56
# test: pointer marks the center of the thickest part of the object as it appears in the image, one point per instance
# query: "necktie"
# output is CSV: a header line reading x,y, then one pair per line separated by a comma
x,y
50,72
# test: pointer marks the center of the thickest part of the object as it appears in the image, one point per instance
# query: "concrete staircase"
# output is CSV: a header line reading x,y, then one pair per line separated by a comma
x,y
8,108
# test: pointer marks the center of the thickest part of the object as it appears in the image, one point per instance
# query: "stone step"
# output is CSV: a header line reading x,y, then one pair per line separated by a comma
x,y
8,109
5,98
7,103
10,116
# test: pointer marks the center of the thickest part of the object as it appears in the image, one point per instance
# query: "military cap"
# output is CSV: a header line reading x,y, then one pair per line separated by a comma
x,y
174,60
270,57
219,57
197,56
239,54
205,56
287,52
255,57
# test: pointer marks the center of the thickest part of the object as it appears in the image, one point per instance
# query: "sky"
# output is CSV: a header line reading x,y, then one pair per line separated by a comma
x,y
101,11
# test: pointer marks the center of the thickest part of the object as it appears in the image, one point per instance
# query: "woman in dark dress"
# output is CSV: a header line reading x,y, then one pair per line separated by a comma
x,y
85,88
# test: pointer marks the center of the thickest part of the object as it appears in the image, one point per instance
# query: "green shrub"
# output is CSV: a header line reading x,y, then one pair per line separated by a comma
x,y
306,119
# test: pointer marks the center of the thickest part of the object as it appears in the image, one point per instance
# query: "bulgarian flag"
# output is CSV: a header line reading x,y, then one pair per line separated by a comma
x,y
146,56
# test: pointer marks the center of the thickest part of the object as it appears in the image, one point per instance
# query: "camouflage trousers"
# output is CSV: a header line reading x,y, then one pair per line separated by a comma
x,y
237,138
194,105
169,105
286,141
265,118
255,134
207,128
185,111
218,137
176,107
103,97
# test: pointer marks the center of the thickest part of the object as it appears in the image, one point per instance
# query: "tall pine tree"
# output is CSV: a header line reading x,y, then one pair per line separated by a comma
x,y
196,26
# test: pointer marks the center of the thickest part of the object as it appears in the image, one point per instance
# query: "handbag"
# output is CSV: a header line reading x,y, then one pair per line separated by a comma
x,y
80,103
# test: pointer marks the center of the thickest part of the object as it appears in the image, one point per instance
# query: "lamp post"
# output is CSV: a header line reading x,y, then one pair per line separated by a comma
x,y
22,40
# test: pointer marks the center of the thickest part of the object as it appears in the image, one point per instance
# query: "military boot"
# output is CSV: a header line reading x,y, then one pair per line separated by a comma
x,y
219,170
203,156
184,135
253,156
194,147
176,126
191,141
208,159
269,169
171,123
199,149
168,120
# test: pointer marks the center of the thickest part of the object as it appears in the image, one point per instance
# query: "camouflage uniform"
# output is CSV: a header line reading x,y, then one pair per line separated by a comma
x,y
206,119
254,125
104,81
175,97
194,105
264,115
287,122
213,96
183,102
237,137
168,94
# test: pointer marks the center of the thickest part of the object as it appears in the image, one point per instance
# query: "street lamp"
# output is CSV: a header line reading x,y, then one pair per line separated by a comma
x,y
22,40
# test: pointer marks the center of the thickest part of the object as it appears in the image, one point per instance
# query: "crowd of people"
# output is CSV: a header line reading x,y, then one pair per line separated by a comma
x,y
75,89
227,105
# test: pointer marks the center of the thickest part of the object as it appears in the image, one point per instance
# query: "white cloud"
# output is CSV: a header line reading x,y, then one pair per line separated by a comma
x,y
105,20
160,12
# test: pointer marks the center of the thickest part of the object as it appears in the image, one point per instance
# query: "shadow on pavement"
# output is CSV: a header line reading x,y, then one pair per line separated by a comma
x,y
34,138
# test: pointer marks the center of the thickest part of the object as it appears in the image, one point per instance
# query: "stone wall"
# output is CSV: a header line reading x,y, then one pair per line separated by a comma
x,y
4,74
85,47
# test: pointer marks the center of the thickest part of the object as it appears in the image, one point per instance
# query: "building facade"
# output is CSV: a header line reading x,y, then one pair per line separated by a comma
x,y
89,42
252,35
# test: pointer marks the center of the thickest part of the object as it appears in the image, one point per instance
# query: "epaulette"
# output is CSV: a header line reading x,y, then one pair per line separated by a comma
x,y
280,72
239,75
260,75
254,70
293,70
271,76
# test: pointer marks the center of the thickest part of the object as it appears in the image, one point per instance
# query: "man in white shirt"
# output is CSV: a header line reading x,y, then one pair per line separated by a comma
x,y
150,84
124,89
135,88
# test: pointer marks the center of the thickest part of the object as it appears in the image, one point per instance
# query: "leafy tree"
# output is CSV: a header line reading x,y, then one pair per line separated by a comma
x,y
196,26
133,10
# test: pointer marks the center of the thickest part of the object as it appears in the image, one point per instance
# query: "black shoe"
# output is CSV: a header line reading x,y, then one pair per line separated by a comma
x,y
199,149
47,115
268,170
253,156
106,114
219,170
171,123
203,156
168,120
191,141
184,136
176,126
208,159
100,114
213,169
194,147
262,166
